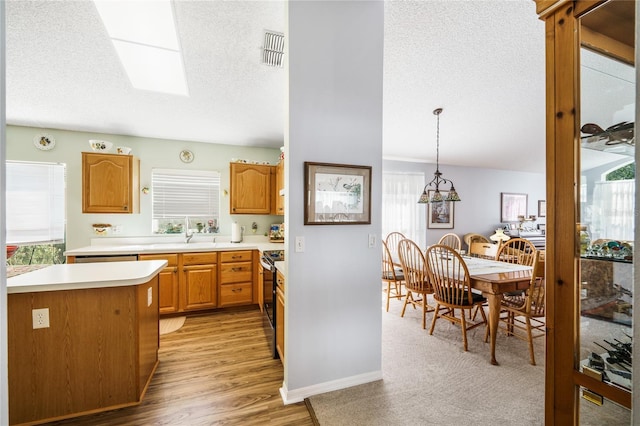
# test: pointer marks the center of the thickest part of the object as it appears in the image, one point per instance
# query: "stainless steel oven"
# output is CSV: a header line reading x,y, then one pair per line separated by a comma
x,y
267,261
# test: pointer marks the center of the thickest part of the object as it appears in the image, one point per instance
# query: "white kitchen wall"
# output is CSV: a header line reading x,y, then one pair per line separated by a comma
x,y
153,153
333,303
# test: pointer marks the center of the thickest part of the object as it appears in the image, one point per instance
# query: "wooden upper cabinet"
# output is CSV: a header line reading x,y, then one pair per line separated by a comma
x,y
110,183
279,189
251,188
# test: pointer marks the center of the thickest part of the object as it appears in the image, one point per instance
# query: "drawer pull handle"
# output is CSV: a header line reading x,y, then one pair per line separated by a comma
x,y
237,290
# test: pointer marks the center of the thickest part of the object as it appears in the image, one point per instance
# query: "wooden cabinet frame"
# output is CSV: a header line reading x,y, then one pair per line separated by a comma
x,y
562,380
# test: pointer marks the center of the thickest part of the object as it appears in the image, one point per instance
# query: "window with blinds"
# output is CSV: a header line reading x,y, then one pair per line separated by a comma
x,y
35,195
177,194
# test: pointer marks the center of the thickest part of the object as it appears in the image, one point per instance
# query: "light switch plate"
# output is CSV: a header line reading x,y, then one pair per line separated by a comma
x,y
299,244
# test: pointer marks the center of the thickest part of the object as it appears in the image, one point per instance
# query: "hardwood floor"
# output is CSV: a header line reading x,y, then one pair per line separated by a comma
x,y
215,370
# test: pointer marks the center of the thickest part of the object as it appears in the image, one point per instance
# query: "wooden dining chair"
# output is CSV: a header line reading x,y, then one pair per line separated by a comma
x,y
474,238
416,278
451,240
517,250
449,276
392,240
522,316
483,250
392,275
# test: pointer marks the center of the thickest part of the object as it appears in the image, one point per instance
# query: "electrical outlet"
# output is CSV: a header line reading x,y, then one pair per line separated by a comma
x,y
40,318
299,244
372,240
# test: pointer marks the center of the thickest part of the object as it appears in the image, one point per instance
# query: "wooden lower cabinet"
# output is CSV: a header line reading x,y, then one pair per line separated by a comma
x,y
198,283
168,282
236,278
207,280
280,316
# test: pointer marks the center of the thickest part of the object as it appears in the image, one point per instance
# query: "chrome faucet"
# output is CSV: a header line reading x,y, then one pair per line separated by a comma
x,y
187,236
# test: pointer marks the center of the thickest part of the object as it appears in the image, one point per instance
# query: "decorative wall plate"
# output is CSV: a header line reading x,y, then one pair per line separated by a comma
x,y
44,141
186,156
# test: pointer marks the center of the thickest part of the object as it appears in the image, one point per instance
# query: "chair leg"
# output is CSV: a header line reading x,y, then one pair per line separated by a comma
x,y
404,306
464,330
388,294
510,323
531,354
435,317
424,311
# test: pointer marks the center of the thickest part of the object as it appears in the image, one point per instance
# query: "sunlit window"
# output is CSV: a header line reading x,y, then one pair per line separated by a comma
x,y
181,194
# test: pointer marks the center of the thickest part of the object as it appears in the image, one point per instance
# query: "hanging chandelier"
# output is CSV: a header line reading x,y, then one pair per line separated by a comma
x,y
438,180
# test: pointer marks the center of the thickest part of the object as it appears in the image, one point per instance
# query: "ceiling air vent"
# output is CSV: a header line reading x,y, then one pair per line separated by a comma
x,y
273,50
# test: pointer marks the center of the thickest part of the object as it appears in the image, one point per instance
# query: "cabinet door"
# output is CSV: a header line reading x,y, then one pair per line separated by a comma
x,y
168,282
280,317
110,183
250,188
199,287
279,190
168,290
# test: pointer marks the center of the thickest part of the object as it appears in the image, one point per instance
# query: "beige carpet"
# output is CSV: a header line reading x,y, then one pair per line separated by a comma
x,y
169,325
430,380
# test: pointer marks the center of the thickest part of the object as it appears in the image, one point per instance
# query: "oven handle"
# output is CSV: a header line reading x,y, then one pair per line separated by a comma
x,y
266,265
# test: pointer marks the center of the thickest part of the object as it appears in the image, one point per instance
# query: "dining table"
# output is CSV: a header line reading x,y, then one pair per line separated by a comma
x,y
494,278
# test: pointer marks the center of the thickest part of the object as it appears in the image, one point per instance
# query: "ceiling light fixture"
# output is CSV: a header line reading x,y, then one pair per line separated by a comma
x,y
143,34
437,197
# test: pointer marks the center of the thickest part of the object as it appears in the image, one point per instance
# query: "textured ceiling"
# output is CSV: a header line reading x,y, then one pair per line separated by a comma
x,y
482,61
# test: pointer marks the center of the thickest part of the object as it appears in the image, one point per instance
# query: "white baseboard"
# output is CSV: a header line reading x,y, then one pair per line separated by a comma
x,y
298,395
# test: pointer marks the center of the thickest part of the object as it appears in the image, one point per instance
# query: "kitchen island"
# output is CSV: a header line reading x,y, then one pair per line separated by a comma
x,y
82,338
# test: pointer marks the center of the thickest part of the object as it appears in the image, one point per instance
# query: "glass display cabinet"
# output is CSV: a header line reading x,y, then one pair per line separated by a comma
x,y
590,145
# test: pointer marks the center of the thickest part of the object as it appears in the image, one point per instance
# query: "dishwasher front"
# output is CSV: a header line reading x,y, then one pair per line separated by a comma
x,y
106,258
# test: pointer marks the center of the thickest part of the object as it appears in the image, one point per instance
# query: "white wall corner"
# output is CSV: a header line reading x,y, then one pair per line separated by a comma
x,y
298,395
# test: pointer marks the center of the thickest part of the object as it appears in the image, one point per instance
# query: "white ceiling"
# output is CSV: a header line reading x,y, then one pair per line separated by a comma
x,y
482,61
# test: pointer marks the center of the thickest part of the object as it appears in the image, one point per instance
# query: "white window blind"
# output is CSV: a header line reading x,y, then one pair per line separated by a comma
x,y
35,210
180,193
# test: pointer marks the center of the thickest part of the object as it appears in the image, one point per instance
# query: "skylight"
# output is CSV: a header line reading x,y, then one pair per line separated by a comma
x,y
144,36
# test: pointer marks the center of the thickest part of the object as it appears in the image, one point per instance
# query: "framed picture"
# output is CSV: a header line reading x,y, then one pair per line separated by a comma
x,y
440,215
337,194
542,208
512,206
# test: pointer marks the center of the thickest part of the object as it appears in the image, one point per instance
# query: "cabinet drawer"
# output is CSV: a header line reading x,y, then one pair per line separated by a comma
x,y
236,256
236,272
199,258
172,259
236,294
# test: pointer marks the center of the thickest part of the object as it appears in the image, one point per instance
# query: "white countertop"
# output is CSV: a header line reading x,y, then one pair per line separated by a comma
x,y
280,267
76,276
169,247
